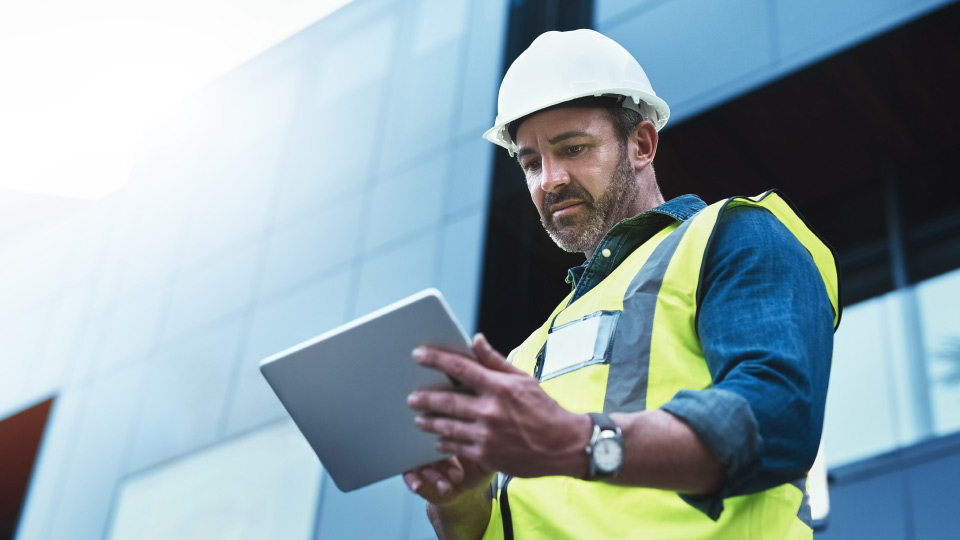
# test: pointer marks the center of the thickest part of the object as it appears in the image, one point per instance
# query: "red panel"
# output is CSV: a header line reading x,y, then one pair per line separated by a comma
x,y
20,437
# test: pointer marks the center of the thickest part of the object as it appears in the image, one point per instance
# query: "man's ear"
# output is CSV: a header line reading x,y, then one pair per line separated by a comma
x,y
643,144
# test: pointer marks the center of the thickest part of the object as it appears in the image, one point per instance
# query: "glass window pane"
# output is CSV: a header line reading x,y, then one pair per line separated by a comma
x,y
939,300
861,424
263,485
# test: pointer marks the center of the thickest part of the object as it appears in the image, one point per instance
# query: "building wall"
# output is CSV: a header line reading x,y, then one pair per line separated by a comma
x,y
700,54
907,493
337,172
872,406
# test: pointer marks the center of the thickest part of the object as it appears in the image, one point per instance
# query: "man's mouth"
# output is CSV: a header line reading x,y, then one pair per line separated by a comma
x,y
564,208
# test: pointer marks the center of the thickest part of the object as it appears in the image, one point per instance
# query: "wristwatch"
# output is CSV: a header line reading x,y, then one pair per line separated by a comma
x,y
605,450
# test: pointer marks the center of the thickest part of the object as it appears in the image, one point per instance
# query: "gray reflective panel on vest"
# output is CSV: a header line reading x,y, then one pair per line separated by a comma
x,y
630,359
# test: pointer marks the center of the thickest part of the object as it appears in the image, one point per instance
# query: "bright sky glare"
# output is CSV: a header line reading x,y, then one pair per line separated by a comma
x,y
79,81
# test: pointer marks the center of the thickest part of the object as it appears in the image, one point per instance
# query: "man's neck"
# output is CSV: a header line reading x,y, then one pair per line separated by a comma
x,y
645,204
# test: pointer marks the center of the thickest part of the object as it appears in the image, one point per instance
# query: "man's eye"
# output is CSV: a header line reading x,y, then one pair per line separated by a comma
x,y
532,165
575,149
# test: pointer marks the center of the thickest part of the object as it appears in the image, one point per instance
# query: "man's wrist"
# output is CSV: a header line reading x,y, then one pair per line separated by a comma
x,y
575,461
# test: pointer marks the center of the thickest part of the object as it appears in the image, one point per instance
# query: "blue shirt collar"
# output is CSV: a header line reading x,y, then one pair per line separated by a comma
x,y
624,237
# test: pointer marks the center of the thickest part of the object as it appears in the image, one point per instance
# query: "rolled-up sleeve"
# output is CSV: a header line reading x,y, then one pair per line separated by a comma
x,y
766,328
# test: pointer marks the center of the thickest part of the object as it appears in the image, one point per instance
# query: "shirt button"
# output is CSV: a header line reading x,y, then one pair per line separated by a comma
x,y
605,253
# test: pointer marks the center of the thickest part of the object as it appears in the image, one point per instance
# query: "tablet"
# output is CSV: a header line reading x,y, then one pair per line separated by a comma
x,y
347,389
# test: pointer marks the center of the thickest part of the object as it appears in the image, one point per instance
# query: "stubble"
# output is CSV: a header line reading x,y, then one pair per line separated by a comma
x,y
579,233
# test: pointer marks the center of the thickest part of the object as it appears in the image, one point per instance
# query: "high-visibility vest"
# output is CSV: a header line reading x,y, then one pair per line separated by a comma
x,y
655,287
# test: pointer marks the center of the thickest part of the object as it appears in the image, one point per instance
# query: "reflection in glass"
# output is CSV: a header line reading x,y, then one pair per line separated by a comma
x,y
939,301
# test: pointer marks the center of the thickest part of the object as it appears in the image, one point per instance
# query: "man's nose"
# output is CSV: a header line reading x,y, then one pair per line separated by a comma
x,y
554,176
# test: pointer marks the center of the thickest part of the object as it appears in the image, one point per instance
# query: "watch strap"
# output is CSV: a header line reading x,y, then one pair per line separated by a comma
x,y
602,421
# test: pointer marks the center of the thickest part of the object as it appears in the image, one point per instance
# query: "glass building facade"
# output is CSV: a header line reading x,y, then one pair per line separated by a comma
x,y
335,173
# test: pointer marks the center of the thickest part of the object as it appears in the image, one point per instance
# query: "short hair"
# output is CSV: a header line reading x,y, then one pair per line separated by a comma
x,y
623,119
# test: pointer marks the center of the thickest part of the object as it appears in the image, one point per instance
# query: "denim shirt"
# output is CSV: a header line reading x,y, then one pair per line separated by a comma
x,y
766,330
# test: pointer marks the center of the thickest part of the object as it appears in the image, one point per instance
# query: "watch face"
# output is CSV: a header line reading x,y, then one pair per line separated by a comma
x,y
607,455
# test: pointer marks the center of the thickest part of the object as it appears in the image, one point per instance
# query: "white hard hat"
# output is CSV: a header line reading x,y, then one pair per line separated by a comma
x,y
563,66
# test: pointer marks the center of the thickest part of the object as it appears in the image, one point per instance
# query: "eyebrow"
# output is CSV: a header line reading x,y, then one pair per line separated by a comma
x,y
559,138
567,135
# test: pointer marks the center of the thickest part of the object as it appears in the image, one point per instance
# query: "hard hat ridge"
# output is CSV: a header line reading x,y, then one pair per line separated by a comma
x,y
563,66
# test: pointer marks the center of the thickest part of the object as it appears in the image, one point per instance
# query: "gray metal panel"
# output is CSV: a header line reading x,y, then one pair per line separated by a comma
x,y
933,498
868,510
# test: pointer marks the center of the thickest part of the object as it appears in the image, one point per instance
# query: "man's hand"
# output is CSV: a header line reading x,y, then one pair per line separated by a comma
x,y
505,423
458,492
501,420
446,482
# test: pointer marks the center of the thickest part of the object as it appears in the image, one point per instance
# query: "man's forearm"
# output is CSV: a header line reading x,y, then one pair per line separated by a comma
x,y
663,452
660,451
465,519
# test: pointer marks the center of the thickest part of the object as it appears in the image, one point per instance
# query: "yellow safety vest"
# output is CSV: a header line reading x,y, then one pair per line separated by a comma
x,y
657,284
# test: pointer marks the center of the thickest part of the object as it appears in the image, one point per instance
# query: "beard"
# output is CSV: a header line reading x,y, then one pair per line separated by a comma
x,y
585,229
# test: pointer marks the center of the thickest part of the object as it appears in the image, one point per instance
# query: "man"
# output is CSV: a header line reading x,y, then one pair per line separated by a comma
x,y
678,391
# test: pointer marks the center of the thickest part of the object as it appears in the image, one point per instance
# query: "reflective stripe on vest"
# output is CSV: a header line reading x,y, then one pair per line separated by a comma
x,y
644,318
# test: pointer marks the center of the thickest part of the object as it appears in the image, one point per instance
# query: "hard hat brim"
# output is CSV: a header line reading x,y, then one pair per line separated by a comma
x,y
499,135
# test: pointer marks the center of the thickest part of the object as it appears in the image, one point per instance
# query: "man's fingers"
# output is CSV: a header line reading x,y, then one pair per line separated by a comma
x,y
490,358
435,479
452,469
413,481
444,402
460,448
461,368
446,427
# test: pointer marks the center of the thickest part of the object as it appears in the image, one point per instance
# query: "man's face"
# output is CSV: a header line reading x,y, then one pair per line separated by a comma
x,y
578,174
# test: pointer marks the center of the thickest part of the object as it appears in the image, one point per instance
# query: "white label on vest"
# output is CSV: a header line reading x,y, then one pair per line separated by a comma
x,y
578,343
